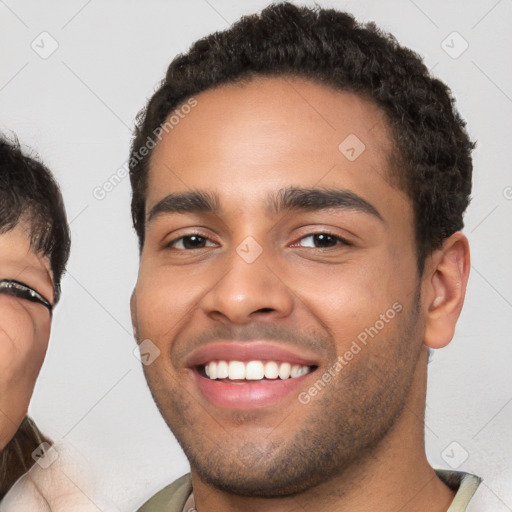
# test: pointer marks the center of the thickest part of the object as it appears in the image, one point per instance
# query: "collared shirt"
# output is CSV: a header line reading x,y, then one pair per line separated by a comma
x,y
178,496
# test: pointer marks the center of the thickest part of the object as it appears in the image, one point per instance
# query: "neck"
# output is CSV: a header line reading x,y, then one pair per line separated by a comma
x,y
394,477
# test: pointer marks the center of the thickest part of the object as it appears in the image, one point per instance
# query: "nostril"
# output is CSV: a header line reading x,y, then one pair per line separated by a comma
x,y
265,310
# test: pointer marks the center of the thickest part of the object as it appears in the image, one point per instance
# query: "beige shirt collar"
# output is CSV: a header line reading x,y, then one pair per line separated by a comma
x,y
464,483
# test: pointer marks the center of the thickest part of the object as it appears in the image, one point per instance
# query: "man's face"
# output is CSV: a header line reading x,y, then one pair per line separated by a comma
x,y
324,282
24,328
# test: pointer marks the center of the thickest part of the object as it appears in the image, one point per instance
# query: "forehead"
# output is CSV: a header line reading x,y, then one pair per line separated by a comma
x,y
245,139
16,254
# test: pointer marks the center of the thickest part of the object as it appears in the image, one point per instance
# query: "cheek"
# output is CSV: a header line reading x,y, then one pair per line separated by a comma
x,y
17,332
30,336
23,344
42,337
351,292
162,302
358,304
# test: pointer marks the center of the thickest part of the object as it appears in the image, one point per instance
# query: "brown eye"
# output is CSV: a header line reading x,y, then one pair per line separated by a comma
x,y
189,242
322,241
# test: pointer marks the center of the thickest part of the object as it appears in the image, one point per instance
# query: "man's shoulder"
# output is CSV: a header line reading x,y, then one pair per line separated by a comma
x,y
171,498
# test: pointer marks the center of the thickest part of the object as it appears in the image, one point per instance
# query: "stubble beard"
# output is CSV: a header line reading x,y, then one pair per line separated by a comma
x,y
342,427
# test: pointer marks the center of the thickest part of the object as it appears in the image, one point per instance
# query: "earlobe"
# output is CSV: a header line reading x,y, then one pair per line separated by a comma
x,y
444,289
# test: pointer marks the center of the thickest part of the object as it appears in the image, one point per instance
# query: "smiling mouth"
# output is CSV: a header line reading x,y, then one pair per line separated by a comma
x,y
248,375
250,371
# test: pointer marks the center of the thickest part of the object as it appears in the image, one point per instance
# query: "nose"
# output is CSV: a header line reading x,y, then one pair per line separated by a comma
x,y
247,291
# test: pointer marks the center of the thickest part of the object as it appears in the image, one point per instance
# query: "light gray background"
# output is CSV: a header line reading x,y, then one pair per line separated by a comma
x,y
76,108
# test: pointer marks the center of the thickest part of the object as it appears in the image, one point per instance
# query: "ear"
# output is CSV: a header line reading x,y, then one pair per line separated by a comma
x,y
444,288
133,312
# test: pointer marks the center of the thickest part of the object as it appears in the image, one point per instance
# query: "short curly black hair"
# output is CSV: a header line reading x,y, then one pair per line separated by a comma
x,y
30,194
329,47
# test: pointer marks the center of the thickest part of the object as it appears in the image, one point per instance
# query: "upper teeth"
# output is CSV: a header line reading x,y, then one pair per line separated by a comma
x,y
253,370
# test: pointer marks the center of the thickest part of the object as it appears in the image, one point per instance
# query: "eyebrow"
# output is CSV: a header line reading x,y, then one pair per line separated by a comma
x,y
187,202
312,199
287,199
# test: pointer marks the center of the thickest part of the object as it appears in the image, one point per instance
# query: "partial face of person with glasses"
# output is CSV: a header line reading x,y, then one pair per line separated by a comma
x,y
26,299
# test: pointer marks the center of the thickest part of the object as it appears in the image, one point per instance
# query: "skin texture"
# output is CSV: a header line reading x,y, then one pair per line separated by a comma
x,y
24,329
358,442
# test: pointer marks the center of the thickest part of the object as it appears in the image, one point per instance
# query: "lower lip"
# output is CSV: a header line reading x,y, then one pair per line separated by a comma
x,y
248,395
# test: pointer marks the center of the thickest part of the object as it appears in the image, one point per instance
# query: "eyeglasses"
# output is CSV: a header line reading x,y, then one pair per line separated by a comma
x,y
23,291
